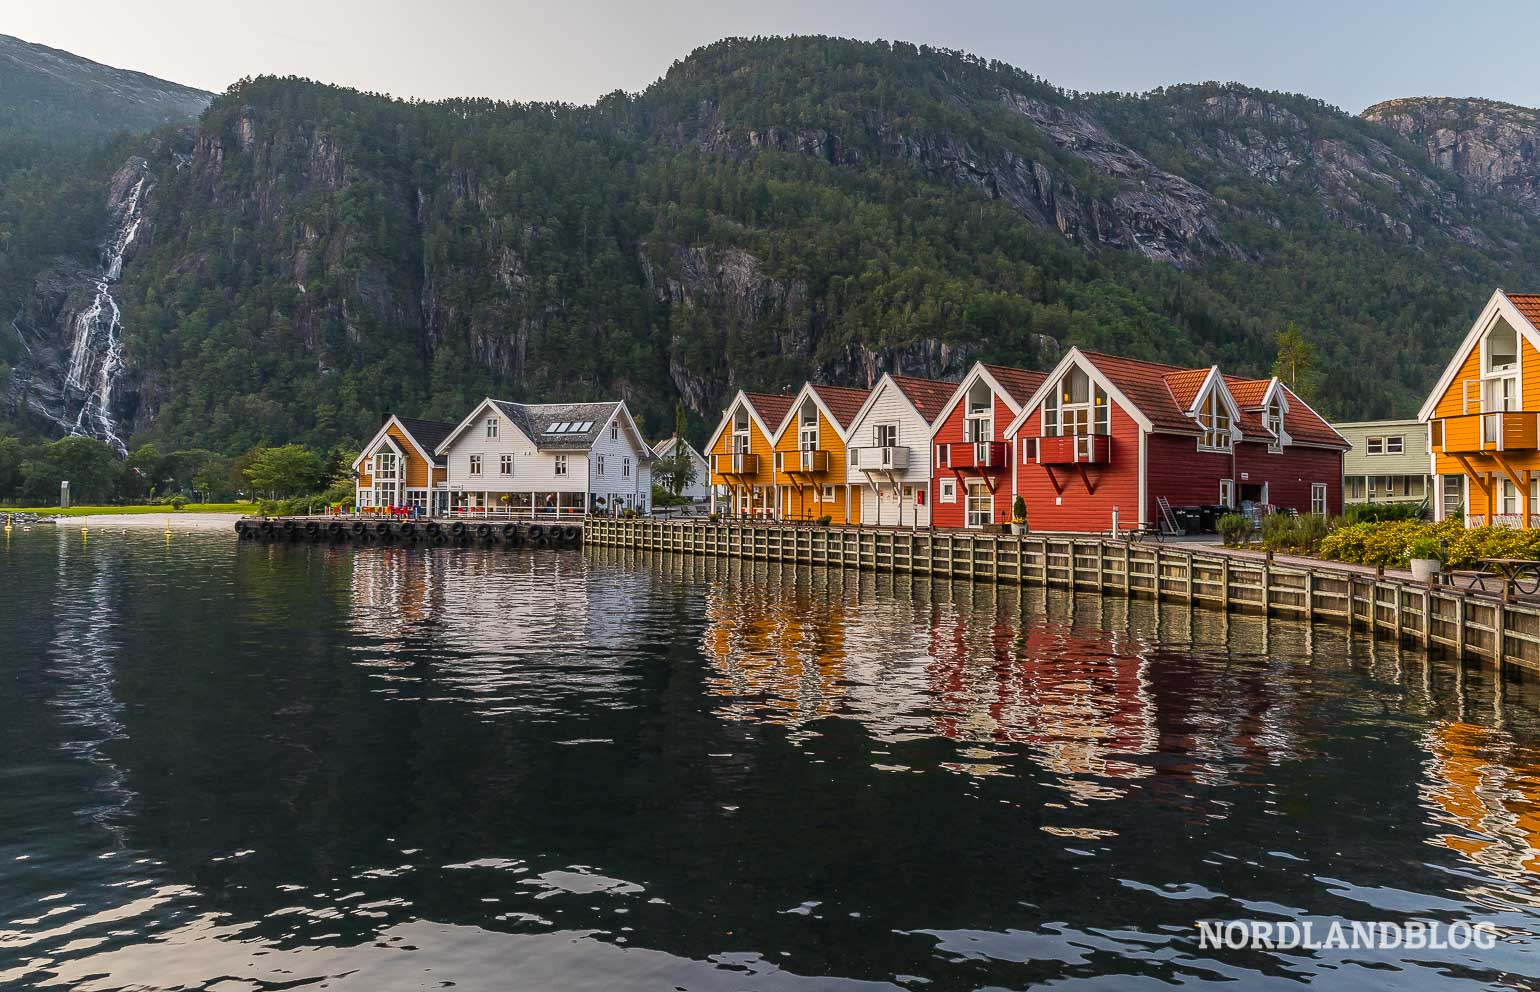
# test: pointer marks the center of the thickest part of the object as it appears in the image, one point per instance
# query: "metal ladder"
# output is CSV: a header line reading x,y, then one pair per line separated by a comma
x,y
1167,518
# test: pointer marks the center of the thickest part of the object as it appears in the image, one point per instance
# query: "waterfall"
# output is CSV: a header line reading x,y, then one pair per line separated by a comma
x,y
96,347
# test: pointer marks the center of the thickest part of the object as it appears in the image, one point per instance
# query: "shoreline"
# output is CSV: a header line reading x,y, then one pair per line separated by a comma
x,y
150,521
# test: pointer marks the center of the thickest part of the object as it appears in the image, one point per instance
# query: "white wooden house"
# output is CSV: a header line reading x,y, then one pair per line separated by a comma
x,y
700,489
546,458
888,453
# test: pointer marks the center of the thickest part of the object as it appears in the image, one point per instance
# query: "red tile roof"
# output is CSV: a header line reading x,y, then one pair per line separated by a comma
x,y
1020,383
1527,304
1247,392
1147,387
1184,385
927,395
771,407
843,402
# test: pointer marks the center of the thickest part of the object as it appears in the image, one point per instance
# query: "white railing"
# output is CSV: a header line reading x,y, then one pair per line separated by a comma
x,y
895,457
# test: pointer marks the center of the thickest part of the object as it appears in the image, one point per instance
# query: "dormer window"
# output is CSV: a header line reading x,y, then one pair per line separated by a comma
x,y
1273,419
807,427
741,431
1502,347
980,422
1214,418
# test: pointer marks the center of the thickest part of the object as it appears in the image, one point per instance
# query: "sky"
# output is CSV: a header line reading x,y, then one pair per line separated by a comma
x,y
1348,53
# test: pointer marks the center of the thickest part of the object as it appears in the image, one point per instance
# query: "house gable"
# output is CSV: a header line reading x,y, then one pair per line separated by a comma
x,y
1466,363
1075,358
476,416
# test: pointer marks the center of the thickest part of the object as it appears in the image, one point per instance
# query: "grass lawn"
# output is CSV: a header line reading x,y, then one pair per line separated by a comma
x,y
93,511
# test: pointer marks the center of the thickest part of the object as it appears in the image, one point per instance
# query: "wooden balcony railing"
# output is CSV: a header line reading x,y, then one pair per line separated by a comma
x,y
1476,433
736,463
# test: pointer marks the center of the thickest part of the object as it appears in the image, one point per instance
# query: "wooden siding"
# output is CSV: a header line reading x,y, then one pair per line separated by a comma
x,y
1488,471
418,475
1116,483
801,495
951,432
759,444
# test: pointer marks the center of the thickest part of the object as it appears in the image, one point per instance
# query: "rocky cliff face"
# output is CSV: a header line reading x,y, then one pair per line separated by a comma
x,y
1490,146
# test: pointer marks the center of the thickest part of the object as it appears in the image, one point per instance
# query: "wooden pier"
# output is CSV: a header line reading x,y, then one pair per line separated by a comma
x,y
1461,622
434,531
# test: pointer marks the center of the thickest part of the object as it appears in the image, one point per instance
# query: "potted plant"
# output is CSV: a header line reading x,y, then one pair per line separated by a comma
x,y
824,520
1427,557
1019,516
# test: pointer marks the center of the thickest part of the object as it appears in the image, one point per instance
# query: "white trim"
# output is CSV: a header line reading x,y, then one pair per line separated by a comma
x,y
727,419
1291,394
1084,361
385,430
1497,305
978,371
796,404
443,447
1144,478
871,398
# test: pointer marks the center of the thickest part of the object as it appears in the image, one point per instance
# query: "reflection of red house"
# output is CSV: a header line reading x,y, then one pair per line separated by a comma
x,y
1104,433
971,481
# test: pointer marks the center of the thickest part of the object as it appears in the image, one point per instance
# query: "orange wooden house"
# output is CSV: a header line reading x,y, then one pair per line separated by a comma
x,y
742,455
1483,419
810,455
398,467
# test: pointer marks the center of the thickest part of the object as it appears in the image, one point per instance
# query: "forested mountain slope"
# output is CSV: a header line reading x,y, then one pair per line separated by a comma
x,y
771,209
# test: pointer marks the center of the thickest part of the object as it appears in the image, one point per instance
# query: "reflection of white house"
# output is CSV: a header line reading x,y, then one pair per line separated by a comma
x,y
888,453
699,489
568,458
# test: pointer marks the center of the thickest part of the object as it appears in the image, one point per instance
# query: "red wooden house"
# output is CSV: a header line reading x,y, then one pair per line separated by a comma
x,y
1105,434
971,481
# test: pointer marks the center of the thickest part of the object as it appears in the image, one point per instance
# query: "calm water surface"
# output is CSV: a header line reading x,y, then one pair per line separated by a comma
x,y
240,767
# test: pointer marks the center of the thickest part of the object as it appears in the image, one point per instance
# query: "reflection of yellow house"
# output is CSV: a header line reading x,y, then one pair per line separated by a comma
x,y
810,455
1483,418
774,652
1476,790
741,453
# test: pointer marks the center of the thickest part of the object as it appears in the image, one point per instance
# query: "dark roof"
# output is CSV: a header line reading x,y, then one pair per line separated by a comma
x,y
929,396
844,402
534,419
428,434
1020,383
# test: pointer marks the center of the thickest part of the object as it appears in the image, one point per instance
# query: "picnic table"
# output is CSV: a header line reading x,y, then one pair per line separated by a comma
x,y
1517,575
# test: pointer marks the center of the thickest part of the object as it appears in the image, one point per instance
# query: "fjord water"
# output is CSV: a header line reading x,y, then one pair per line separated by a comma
x,y
242,767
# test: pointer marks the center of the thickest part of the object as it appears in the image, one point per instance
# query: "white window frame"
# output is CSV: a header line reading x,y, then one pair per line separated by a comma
x,y
1274,423
1227,493
1215,420
505,465
1318,498
475,465
625,467
976,518
885,435
491,427
615,431
948,491
559,465
1374,446
598,466
1395,444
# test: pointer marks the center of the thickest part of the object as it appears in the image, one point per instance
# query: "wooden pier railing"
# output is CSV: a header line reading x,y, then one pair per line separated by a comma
x,y
1462,622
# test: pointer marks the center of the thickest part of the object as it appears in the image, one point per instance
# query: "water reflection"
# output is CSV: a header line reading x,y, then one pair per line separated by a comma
x,y
276,767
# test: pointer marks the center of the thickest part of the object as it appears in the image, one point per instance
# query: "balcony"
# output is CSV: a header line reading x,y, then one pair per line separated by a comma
x,y
815,460
1485,433
737,463
986,456
1080,449
893,458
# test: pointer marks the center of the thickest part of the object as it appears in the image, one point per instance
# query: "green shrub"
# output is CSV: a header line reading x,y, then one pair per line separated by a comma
x,y
1234,528
1019,511
1364,513
178,501
1425,546
824,520
1285,532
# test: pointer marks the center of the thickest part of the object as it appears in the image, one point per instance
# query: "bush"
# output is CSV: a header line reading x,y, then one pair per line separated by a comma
x,y
1019,511
824,520
1286,532
1235,528
1394,543
177,502
1425,546
1364,513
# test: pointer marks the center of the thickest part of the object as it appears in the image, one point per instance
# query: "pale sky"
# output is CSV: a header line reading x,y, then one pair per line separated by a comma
x,y
1347,53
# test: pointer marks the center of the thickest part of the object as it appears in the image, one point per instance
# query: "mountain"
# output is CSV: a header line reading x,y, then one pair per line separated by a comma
x,y
308,256
55,96
1490,146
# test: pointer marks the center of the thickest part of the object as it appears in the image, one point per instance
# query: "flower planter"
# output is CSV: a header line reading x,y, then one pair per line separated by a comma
x,y
1424,569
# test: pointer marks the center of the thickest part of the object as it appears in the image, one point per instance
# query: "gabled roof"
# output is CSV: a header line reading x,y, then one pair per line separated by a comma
x,y
928,396
842,403
665,448
1521,310
771,407
1301,424
537,419
1184,385
1015,386
1148,386
425,436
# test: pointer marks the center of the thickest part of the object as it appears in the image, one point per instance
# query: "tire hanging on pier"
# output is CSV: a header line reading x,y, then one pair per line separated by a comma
x,y
457,528
409,530
536,530
509,530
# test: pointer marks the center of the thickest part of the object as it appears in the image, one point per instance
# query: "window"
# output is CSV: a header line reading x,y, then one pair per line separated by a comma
x,y
1454,497
1534,497
1273,420
980,504
1412,485
417,499
740,432
1318,498
599,466
1355,487
1395,445
948,490
807,427
366,497
1214,418
505,464
1076,406
625,468
1502,347
980,422
884,435
1028,449
828,494
559,465
475,464
1510,498
1374,446
491,427
385,465
615,431
1226,492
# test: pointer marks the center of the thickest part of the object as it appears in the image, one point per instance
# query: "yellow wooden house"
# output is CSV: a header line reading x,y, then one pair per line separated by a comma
x,y
810,455
1483,419
742,455
398,467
